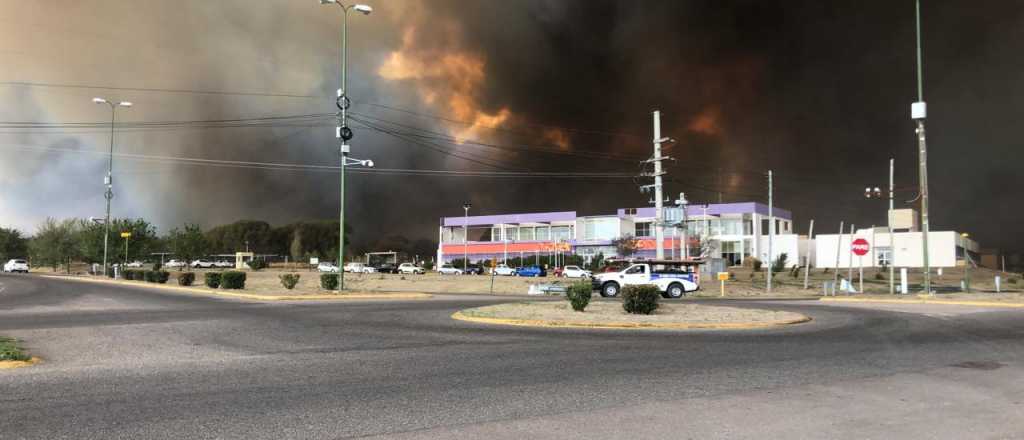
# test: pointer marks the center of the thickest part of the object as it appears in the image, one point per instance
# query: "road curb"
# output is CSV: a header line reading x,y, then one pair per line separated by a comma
x,y
252,296
459,316
6,365
927,301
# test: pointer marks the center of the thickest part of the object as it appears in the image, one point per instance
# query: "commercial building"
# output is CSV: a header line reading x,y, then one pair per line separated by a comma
x,y
732,231
904,248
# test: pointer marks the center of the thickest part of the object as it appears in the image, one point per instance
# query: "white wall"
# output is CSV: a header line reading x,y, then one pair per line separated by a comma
x,y
908,249
783,243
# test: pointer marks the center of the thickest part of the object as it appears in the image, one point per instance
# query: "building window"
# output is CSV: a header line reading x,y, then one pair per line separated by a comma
x,y
542,233
561,233
764,226
642,230
525,234
884,256
630,211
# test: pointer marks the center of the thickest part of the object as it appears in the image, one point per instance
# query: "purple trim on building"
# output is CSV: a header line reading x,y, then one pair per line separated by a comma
x,y
536,217
719,209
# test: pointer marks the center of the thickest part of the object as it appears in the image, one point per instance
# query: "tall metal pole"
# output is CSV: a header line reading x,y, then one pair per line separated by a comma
x,y
771,232
918,112
659,217
343,131
465,238
109,194
849,261
892,239
839,245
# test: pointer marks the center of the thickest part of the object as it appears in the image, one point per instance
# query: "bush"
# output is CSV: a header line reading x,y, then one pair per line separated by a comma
x,y
186,278
640,299
157,266
127,274
289,280
212,279
329,281
756,264
149,276
579,295
110,272
879,276
162,276
779,264
428,265
1012,280
232,279
257,265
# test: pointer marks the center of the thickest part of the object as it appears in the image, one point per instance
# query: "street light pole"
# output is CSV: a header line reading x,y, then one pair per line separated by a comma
x,y
465,237
918,111
344,133
109,180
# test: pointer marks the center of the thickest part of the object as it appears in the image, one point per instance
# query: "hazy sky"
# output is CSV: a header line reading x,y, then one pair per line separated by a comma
x,y
817,91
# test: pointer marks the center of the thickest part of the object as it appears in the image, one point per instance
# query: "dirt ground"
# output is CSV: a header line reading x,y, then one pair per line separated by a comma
x,y
605,312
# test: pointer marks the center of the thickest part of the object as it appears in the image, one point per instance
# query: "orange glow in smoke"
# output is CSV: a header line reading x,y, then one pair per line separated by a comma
x,y
706,122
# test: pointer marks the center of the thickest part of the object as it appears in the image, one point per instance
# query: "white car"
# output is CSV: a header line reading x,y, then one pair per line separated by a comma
x,y
575,272
448,269
223,264
205,264
504,270
355,267
411,268
134,264
175,264
16,266
327,267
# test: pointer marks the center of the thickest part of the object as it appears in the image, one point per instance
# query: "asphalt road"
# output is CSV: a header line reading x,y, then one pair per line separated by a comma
x,y
138,363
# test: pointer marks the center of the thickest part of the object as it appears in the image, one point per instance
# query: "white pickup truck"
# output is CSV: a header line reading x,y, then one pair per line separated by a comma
x,y
673,279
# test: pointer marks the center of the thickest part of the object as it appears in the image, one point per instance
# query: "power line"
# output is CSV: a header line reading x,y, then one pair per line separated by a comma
x,y
160,90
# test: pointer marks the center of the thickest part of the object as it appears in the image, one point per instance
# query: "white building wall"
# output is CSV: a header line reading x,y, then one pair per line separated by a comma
x,y
781,244
908,250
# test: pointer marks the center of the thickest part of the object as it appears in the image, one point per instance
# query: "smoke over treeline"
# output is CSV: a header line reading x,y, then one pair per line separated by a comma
x,y
817,91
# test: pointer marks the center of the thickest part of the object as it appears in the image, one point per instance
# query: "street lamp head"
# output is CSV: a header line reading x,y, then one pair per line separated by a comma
x,y
467,205
99,101
124,104
328,2
365,9
368,163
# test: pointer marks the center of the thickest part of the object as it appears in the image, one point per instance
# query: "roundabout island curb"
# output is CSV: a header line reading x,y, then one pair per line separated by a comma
x,y
6,365
540,323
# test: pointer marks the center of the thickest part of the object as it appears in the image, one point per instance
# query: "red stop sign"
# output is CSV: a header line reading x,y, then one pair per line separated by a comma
x,y
860,247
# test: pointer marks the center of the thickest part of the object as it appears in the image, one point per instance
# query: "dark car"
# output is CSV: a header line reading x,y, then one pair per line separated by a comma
x,y
531,271
386,268
474,269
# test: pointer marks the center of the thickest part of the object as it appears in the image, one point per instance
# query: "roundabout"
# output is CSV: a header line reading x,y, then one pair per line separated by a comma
x,y
610,315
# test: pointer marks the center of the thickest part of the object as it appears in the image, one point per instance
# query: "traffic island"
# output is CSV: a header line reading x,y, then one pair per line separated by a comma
x,y
610,315
12,356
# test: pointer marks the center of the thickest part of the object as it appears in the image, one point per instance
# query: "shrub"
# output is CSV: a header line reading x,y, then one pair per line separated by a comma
x,y
157,266
186,278
212,279
289,280
640,299
428,265
127,274
579,295
732,276
756,264
257,265
110,272
162,276
1012,280
232,279
150,276
329,281
879,276
779,264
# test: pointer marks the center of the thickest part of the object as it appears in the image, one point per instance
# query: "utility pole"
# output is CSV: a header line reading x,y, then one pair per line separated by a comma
x,y
465,237
659,215
849,261
719,185
919,111
892,239
839,245
109,179
771,232
684,246
807,263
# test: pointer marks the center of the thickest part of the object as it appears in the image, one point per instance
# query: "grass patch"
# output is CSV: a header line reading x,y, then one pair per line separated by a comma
x,y
9,350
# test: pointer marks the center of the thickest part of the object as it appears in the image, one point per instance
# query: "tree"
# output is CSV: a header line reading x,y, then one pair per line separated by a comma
x,y
143,241
189,243
56,243
12,244
626,245
234,237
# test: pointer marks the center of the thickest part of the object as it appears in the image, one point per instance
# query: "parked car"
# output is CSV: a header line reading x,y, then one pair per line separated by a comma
x,y
203,264
16,265
448,269
575,272
175,264
386,268
474,269
327,267
531,271
410,268
134,264
356,267
224,264
504,270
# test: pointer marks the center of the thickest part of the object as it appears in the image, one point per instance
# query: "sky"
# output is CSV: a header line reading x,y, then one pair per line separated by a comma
x,y
818,92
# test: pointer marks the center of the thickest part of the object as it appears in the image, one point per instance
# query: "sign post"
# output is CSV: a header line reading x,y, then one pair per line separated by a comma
x,y
722,276
126,235
860,247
